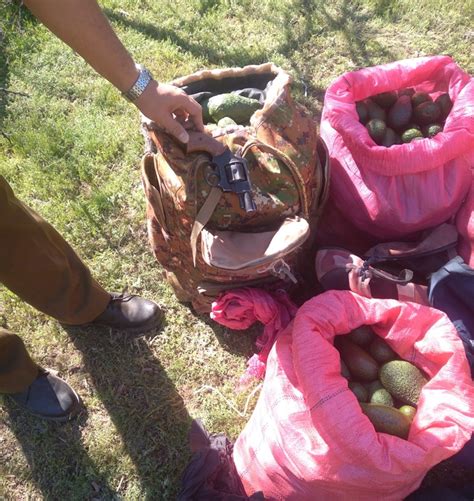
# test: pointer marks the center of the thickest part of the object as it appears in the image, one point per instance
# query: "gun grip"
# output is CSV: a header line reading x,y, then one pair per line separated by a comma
x,y
199,141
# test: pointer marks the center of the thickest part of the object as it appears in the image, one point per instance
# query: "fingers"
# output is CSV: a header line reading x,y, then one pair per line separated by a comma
x,y
194,110
173,127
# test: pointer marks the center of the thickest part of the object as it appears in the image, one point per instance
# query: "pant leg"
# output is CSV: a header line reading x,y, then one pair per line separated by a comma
x,y
17,369
38,265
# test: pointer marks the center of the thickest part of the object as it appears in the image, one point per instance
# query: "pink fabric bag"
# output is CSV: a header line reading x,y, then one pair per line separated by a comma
x,y
394,192
308,438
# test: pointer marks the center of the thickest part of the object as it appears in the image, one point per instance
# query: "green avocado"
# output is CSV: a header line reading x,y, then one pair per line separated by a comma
x,y
420,97
411,134
362,336
376,129
426,113
385,99
431,130
445,104
224,122
381,351
382,397
362,112
236,107
360,364
399,115
403,380
359,391
408,410
387,419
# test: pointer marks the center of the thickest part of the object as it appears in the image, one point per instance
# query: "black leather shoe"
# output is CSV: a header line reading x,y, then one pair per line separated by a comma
x,y
49,397
129,313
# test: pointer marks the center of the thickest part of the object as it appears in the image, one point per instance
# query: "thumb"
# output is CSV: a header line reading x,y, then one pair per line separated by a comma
x,y
174,128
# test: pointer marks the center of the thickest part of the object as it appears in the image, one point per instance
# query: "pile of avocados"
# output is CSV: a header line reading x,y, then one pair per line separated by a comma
x,y
227,109
386,387
402,117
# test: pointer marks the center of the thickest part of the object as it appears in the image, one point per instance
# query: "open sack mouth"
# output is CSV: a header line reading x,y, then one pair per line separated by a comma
x,y
253,86
235,250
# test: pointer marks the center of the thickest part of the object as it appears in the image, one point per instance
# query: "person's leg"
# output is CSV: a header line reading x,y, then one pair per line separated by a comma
x,y
17,369
39,266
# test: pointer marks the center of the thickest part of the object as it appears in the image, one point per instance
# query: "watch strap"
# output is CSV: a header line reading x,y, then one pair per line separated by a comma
x,y
141,83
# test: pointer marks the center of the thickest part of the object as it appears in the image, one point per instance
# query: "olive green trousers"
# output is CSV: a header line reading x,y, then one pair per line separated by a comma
x,y
38,265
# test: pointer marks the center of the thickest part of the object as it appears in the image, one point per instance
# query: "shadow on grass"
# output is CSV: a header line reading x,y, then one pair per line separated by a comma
x,y
237,342
59,465
143,404
349,20
146,410
232,56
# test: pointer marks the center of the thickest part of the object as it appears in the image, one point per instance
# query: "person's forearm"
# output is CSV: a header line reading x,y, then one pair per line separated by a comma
x,y
82,25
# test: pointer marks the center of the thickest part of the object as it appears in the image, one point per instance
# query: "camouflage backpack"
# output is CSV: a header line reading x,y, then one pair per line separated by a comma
x,y
238,206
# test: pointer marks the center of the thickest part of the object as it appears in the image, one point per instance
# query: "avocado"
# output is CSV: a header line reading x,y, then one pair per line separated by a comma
x,y
427,113
362,111
374,110
376,129
399,115
238,108
406,92
362,336
390,138
408,410
224,122
411,134
431,130
359,391
445,104
420,97
345,371
373,387
381,351
385,99
403,380
382,397
387,419
361,365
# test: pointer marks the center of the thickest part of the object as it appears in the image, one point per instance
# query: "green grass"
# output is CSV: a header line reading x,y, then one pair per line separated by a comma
x,y
71,149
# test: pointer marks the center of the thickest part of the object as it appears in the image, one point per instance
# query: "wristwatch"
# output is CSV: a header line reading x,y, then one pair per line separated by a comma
x,y
144,78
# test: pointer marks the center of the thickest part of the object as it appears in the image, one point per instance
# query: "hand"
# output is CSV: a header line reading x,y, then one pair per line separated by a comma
x,y
171,109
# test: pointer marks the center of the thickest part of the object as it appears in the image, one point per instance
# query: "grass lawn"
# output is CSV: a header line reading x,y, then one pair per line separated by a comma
x,y
70,147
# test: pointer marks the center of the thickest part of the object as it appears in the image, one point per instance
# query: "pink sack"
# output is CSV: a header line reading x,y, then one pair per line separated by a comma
x,y
308,438
394,192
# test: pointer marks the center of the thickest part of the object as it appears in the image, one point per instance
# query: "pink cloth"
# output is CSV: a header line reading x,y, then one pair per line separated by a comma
x,y
239,309
308,439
